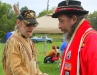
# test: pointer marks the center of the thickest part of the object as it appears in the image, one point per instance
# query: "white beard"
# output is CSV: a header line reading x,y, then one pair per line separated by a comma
x,y
65,36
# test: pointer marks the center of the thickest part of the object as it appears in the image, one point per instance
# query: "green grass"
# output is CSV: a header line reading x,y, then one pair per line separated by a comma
x,y
50,68
1,50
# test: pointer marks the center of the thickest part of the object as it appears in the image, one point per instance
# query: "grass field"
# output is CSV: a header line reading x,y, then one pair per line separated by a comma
x,y
50,68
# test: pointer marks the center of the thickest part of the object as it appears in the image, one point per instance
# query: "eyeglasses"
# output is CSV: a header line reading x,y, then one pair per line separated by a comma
x,y
34,25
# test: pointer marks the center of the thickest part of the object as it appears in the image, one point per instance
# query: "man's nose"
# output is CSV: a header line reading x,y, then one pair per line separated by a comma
x,y
31,27
59,26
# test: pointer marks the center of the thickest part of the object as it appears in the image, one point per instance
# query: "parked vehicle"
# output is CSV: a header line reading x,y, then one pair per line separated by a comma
x,y
41,39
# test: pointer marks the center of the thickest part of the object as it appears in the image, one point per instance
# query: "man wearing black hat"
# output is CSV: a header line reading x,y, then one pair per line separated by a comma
x,y
19,55
80,56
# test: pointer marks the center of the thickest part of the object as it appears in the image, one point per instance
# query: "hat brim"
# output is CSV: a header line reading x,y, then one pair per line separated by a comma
x,y
79,12
31,21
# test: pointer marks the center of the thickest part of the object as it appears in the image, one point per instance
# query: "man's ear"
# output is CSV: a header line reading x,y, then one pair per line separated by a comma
x,y
18,22
74,19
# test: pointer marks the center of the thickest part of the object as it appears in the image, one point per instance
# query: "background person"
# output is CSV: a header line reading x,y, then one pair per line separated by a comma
x,y
63,46
57,49
57,56
50,55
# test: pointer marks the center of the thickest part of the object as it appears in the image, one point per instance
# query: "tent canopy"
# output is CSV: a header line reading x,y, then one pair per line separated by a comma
x,y
47,24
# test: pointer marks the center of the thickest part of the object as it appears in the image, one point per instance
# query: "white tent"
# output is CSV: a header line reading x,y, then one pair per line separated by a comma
x,y
47,24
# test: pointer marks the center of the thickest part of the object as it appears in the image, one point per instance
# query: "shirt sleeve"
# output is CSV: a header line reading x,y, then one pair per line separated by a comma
x,y
15,59
50,53
89,55
63,46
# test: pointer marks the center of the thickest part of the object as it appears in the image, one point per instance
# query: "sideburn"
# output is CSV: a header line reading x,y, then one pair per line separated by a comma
x,y
79,18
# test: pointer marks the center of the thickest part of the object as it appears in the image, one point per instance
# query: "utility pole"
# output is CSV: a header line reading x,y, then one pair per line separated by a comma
x,y
47,7
45,34
18,5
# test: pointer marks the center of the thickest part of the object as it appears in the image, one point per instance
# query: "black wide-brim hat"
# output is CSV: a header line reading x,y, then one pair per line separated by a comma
x,y
70,7
28,17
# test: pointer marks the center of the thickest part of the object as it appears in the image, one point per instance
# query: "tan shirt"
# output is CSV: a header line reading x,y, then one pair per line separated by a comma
x,y
51,53
16,60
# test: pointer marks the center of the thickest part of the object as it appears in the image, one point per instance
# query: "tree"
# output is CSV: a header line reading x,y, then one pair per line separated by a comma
x,y
93,19
24,8
44,12
7,19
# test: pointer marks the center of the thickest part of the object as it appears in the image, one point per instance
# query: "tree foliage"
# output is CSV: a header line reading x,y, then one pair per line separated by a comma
x,y
45,12
7,19
93,19
24,8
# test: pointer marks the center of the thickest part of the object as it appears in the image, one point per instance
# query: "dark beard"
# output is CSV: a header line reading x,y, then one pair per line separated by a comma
x,y
69,34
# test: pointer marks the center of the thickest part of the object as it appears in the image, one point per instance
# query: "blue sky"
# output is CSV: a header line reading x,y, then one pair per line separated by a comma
x,y
39,5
